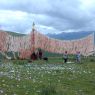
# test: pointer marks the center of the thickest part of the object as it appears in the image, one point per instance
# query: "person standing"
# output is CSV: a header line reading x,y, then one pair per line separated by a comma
x,y
40,54
78,57
65,57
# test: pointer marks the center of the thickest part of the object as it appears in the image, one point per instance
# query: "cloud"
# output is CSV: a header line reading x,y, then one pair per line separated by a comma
x,y
50,16
18,21
14,21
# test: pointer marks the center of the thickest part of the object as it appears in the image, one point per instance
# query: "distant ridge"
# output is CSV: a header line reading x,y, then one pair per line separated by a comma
x,y
62,36
71,35
13,33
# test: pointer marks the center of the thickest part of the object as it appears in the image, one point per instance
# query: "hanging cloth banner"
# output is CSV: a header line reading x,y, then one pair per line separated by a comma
x,y
26,45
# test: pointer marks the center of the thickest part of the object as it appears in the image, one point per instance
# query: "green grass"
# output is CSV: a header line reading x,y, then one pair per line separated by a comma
x,y
18,77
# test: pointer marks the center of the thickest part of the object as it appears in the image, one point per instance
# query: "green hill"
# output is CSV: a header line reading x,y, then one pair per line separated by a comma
x,y
15,34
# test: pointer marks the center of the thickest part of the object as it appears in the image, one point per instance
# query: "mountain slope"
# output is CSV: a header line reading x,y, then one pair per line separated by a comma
x,y
62,36
70,36
15,34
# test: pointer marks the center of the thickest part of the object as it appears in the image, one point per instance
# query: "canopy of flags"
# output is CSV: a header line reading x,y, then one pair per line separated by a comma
x,y
84,45
25,45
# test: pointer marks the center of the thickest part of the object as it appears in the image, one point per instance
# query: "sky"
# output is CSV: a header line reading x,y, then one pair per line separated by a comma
x,y
49,16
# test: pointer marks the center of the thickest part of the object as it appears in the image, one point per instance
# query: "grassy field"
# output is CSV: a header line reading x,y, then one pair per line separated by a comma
x,y
18,77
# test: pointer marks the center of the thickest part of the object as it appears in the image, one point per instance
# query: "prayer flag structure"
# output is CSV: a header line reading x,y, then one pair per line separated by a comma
x,y
25,45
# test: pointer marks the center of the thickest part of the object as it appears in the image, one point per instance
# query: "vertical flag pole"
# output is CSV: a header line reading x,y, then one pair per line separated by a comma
x,y
33,37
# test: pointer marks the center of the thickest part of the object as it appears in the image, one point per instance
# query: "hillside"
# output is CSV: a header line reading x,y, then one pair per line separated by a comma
x,y
15,34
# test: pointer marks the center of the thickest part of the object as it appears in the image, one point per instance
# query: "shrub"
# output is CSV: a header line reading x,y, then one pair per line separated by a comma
x,y
92,60
48,90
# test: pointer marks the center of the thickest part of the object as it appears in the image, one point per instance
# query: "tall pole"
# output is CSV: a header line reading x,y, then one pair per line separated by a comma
x,y
33,37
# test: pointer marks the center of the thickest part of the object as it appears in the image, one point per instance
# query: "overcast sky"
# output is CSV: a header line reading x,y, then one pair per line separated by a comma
x,y
50,16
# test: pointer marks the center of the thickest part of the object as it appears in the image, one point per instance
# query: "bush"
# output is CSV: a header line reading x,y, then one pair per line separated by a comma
x,y
48,90
92,60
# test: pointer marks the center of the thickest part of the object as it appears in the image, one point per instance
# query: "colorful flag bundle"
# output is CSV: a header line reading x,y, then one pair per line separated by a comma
x,y
25,45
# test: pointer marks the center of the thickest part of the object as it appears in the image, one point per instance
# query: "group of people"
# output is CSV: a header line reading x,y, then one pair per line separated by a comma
x,y
37,55
77,57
